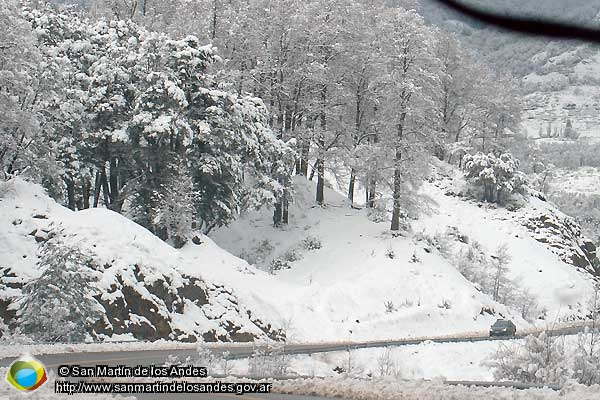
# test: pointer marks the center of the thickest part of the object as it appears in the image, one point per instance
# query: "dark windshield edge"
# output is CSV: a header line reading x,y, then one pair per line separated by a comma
x,y
529,26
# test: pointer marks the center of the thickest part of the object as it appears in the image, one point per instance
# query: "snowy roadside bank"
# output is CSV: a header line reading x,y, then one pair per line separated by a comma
x,y
392,389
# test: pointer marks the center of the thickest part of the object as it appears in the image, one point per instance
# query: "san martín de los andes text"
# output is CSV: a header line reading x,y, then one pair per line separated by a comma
x,y
139,371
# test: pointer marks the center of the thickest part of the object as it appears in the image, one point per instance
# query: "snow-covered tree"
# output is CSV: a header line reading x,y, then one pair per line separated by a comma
x,y
540,359
500,281
174,203
58,305
570,132
479,110
586,368
409,111
498,176
21,92
133,103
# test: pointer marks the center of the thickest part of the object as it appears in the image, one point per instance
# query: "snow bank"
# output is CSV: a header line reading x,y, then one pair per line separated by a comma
x,y
392,389
149,290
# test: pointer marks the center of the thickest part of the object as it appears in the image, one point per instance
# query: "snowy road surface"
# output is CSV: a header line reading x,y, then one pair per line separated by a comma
x,y
145,357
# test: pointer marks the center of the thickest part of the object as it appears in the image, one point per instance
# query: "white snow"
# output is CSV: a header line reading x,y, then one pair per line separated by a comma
x,y
342,287
332,294
392,389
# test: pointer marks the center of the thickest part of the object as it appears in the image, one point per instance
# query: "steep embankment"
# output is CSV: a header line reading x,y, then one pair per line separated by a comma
x,y
148,289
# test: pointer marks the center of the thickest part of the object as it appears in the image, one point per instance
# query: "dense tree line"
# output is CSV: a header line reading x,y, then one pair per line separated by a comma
x,y
132,119
130,105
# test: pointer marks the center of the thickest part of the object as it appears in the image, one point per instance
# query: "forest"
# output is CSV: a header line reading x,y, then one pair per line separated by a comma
x,y
180,115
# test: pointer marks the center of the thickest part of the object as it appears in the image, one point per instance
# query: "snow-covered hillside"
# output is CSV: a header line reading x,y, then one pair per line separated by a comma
x,y
566,89
559,78
149,290
337,274
348,268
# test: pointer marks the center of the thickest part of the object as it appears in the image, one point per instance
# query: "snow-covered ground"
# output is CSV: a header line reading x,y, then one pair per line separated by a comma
x,y
584,180
344,267
559,287
428,360
392,389
360,267
166,293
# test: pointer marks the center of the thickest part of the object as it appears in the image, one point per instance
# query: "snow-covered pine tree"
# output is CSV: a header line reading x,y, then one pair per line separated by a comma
x,y
174,205
497,176
58,306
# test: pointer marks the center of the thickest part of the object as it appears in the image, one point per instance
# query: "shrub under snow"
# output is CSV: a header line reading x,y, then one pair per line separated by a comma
x,y
540,359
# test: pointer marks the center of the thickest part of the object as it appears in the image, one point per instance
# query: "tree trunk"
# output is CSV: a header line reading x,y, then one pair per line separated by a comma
x,y
372,191
277,214
97,186
372,177
86,194
367,194
304,160
320,181
70,194
351,186
356,138
396,210
284,207
116,204
105,189
321,144
213,25
395,226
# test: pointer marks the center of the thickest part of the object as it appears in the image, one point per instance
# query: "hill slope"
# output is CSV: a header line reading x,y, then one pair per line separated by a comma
x,y
148,289
360,267
336,274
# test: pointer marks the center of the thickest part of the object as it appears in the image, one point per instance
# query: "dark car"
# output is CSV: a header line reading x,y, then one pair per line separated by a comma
x,y
503,327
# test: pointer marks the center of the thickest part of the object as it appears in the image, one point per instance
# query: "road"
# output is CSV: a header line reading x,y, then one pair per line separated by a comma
x,y
159,357
146,357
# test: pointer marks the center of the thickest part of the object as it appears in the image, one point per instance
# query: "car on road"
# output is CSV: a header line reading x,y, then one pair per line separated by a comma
x,y
503,327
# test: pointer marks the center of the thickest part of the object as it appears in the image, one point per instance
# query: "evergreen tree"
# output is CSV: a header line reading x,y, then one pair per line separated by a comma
x,y
174,209
58,306
498,176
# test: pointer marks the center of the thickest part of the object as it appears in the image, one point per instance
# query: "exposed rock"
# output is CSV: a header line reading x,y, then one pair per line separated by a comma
x,y
147,309
564,237
150,317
